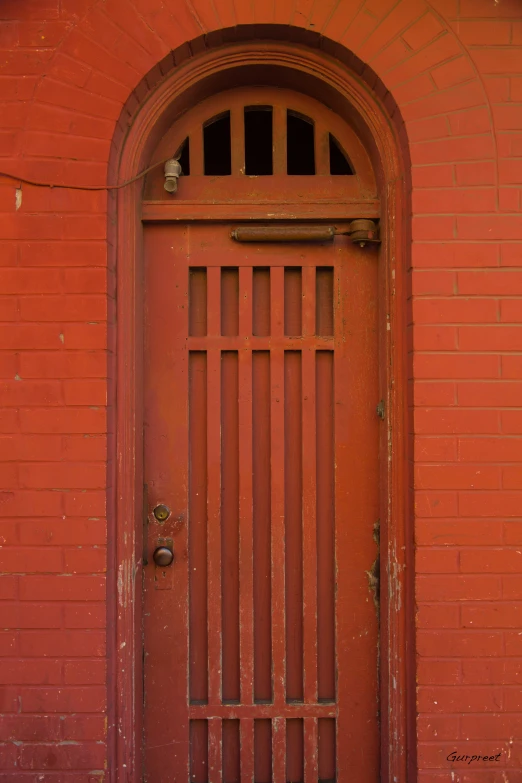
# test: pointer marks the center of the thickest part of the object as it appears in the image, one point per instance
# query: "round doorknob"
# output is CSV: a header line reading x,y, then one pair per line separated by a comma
x,y
163,556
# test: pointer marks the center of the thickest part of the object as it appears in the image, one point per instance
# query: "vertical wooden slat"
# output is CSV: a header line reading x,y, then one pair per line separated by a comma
x,y
247,750
309,528
237,138
279,139
277,301
278,524
197,166
293,483
311,751
245,491
214,301
215,751
214,523
230,565
308,284
322,149
279,750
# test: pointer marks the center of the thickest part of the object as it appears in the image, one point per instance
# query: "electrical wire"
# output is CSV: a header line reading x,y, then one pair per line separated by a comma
x,y
37,184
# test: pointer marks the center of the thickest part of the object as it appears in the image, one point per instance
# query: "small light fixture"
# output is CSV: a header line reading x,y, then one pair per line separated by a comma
x,y
172,173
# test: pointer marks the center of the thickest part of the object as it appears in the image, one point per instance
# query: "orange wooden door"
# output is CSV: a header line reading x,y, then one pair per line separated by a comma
x,y
261,437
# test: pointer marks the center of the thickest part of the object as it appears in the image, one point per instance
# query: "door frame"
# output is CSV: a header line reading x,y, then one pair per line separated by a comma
x,y
152,116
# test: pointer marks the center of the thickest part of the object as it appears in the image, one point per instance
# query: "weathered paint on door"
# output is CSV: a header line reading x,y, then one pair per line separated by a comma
x,y
261,436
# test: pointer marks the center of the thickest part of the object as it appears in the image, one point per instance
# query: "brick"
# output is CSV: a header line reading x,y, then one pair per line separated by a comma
x,y
67,421
485,505
66,756
85,447
85,392
458,532
8,587
492,450
481,32
81,672
33,336
435,175
85,615
8,645
461,587
455,255
70,644
67,307
432,672
454,149
440,727
490,338
16,393
438,561
9,421
460,699
30,615
23,503
510,311
492,60
444,200
427,393
430,282
447,421
456,71
456,477
59,475
511,422
85,336
435,338
423,31
438,616
430,365
435,449
456,644
491,561
84,727
489,671
30,728
85,503
475,174
30,447
65,253
29,672
85,559
62,588
63,364
513,535
24,559
58,94
510,172
491,282
490,393
498,615
511,367
512,477
455,310
60,532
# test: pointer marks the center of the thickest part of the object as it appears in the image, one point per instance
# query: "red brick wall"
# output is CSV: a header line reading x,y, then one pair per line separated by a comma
x,y
454,67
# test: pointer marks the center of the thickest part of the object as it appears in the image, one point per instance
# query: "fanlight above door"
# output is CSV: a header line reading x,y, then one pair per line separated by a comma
x,y
264,145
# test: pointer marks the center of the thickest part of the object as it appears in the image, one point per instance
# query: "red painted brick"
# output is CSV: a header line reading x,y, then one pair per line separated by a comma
x,y
438,616
458,532
25,560
498,615
56,475
31,728
445,421
458,587
81,672
68,421
511,422
85,503
512,477
441,727
60,588
480,32
491,282
85,616
451,254
490,338
456,310
58,756
456,644
60,532
84,727
513,535
435,449
492,450
454,149
63,364
30,672
432,672
30,615
482,173
70,644
492,60
490,393
460,699
483,671
85,392
491,561
439,561
444,200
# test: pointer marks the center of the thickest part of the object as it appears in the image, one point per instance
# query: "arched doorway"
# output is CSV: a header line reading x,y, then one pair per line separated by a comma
x,y
265,373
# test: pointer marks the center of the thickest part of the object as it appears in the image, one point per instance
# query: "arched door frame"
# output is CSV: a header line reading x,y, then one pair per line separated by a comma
x,y
181,89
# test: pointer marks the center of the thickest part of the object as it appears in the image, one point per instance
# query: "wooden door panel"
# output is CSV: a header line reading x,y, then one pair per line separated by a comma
x,y
261,436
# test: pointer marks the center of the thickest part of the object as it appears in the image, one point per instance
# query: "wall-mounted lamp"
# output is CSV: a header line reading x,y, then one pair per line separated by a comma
x,y
172,172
